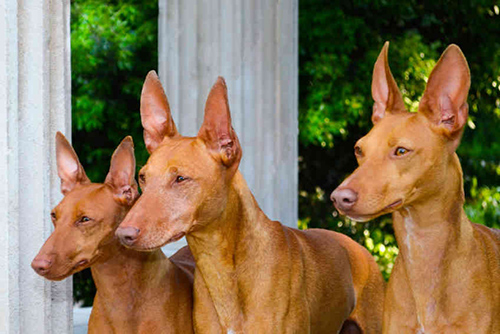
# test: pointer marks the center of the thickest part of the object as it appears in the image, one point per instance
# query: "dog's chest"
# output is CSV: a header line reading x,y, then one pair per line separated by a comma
x,y
455,302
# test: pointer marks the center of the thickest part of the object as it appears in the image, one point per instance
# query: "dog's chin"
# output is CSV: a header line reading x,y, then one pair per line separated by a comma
x,y
354,215
141,246
359,218
365,217
57,277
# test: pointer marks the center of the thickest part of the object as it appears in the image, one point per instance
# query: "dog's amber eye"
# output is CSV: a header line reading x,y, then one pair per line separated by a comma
x,y
400,151
357,151
84,219
53,215
142,178
180,179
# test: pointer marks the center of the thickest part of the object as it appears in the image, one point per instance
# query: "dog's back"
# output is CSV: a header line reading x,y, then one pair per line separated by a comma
x,y
489,238
367,280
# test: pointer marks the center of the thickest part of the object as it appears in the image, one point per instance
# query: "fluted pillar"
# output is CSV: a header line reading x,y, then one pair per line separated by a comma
x,y
35,90
254,45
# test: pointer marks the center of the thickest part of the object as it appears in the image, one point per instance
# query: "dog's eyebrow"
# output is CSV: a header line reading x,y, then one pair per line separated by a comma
x,y
400,141
172,170
392,141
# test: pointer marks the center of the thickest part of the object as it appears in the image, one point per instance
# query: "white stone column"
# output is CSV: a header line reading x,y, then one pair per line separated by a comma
x,y
35,102
254,45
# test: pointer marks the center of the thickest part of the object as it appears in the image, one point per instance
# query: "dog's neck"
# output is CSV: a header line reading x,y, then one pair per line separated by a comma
x,y
430,233
224,243
121,270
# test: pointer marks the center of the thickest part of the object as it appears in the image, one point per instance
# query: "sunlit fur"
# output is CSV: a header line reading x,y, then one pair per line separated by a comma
x,y
446,278
137,292
253,275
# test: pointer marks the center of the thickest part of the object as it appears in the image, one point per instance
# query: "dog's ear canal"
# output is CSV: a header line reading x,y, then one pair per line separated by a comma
x,y
69,169
156,117
444,101
216,130
122,171
385,91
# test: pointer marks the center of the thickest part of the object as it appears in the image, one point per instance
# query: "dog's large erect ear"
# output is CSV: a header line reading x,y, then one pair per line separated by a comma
x,y
385,91
155,113
444,101
121,172
216,130
69,169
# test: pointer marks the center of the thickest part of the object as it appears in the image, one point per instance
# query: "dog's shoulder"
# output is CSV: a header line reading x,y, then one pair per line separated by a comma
x,y
490,240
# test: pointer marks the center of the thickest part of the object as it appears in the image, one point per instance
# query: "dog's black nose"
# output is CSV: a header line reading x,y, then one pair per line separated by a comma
x,y
128,235
344,198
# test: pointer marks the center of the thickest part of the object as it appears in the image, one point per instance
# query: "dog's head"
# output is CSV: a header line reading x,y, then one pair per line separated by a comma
x,y
186,180
86,218
406,157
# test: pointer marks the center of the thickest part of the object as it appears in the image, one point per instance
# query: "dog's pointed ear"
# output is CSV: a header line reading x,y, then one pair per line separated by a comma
x,y
385,91
216,130
155,113
69,168
444,101
122,171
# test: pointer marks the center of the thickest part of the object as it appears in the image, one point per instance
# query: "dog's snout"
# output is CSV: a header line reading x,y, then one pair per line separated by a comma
x,y
41,265
128,235
344,198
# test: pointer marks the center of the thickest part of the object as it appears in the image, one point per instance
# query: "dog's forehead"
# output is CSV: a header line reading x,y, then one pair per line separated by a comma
x,y
168,148
79,192
410,126
179,152
83,196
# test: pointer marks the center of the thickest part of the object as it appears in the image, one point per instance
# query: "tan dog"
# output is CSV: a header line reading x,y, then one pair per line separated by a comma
x,y
137,292
446,278
253,275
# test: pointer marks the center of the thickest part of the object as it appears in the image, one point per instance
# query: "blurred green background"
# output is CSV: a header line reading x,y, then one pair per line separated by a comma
x,y
114,45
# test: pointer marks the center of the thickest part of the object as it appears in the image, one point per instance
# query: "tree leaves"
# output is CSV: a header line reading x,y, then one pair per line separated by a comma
x,y
339,43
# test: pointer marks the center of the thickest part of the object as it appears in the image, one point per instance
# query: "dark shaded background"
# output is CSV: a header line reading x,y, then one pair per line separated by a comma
x,y
114,45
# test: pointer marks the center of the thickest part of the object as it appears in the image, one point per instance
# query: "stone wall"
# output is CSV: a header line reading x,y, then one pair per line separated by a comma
x,y
254,45
35,92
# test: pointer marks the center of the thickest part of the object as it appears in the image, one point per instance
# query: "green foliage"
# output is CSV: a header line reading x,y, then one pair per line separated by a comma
x,y
484,205
339,43
113,46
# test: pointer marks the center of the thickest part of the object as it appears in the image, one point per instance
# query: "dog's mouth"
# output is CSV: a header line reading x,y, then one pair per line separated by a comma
x,y
150,246
394,205
176,237
79,266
